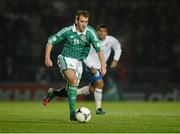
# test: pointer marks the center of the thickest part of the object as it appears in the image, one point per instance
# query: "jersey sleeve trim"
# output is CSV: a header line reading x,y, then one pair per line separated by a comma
x,y
63,31
93,34
95,40
54,39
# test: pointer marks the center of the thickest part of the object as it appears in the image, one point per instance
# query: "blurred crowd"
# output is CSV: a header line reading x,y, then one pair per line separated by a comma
x,y
149,32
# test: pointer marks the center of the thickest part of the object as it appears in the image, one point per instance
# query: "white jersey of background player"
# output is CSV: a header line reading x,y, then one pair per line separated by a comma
x,y
108,43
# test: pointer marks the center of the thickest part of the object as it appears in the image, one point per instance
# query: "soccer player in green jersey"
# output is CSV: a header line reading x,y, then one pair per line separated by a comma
x,y
76,40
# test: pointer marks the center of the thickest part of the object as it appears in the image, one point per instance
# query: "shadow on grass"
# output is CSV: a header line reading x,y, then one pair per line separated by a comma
x,y
33,121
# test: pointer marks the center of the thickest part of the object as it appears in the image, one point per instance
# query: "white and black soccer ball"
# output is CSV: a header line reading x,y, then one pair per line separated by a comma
x,y
83,114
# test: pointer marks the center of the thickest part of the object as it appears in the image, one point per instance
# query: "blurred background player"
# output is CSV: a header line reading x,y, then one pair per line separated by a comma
x,y
92,63
96,85
76,40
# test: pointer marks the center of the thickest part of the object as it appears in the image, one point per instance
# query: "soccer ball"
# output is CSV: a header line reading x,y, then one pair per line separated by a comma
x,y
83,114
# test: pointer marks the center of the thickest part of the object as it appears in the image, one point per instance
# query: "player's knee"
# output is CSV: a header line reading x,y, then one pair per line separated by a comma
x,y
91,89
73,81
99,84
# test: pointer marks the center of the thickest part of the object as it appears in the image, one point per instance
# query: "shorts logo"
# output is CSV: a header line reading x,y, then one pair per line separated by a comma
x,y
71,65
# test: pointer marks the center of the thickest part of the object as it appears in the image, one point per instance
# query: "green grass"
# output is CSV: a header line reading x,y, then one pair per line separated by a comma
x,y
120,117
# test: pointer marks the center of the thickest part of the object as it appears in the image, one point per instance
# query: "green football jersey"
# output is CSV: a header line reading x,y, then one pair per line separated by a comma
x,y
76,45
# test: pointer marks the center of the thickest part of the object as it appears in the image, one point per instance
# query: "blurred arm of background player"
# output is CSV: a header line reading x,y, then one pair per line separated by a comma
x,y
116,46
103,63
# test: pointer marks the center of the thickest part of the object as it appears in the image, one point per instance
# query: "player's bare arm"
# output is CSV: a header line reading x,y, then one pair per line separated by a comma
x,y
48,49
102,61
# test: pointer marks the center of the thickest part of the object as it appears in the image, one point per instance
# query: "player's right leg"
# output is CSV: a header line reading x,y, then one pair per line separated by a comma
x,y
72,72
72,80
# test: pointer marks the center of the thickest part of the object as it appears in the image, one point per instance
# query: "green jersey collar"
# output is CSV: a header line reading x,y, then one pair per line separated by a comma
x,y
74,30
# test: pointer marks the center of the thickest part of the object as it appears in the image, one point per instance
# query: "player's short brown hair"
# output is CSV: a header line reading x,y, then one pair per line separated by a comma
x,y
102,26
83,13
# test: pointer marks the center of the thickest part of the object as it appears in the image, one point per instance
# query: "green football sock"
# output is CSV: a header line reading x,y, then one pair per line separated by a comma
x,y
72,94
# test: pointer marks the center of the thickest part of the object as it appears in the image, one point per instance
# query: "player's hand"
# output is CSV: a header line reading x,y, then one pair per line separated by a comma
x,y
48,62
103,71
113,64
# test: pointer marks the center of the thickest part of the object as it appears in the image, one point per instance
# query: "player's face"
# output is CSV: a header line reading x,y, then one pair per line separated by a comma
x,y
102,33
82,23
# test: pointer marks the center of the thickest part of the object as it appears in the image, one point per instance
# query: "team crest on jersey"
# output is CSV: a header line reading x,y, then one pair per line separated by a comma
x,y
83,37
54,38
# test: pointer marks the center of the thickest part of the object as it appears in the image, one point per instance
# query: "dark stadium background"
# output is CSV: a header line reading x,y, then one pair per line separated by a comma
x,y
148,30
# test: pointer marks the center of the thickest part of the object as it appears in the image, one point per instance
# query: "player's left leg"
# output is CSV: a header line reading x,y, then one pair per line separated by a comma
x,y
52,93
97,84
70,91
98,90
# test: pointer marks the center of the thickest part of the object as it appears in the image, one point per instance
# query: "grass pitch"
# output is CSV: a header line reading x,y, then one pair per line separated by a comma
x,y
120,117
